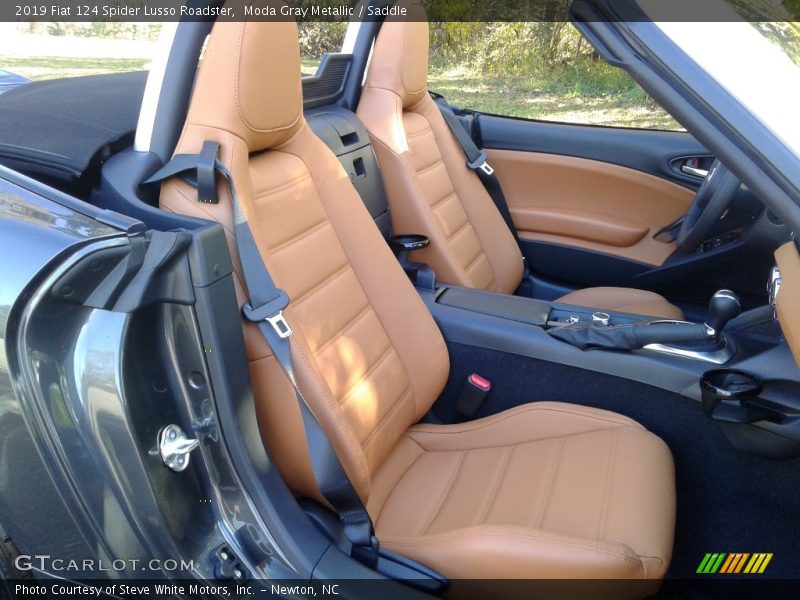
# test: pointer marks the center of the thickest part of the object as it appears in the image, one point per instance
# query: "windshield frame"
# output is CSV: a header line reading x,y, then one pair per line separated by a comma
x,y
750,67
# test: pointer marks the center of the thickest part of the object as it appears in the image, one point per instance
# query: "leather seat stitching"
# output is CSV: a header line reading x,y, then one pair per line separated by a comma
x,y
642,304
199,123
324,390
513,414
344,328
430,167
401,398
421,453
377,141
497,483
346,395
245,122
319,285
406,91
414,107
385,89
450,536
461,228
658,558
281,187
298,237
529,441
416,134
474,261
555,460
435,204
601,529
633,301
445,492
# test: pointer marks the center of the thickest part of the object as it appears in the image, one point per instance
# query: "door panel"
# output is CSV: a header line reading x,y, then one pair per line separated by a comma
x,y
587,201
584,225
647,150
589,204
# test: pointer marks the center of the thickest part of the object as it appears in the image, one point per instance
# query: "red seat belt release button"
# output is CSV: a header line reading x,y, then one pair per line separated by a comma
x,y
473,395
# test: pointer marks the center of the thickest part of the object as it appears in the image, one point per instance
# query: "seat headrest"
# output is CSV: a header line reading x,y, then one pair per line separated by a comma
x,y
400,56
249,83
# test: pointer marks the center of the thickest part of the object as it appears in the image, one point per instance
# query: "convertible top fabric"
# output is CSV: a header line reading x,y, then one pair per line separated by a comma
x,y
56,128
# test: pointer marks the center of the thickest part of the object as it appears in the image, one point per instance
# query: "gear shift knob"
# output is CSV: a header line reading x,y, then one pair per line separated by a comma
x,y
724,306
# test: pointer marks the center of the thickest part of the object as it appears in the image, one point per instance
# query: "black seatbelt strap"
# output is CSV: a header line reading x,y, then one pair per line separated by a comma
x,y
476,160
265,308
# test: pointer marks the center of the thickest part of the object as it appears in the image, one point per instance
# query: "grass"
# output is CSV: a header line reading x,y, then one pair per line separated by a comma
x,y
308,66
604,100
561,97
54,67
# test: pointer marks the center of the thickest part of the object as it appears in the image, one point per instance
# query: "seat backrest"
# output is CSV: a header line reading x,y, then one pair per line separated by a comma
x,y
431,190
369,357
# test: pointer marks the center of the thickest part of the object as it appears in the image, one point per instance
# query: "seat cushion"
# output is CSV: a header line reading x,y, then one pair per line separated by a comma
x,y
627,300
545,490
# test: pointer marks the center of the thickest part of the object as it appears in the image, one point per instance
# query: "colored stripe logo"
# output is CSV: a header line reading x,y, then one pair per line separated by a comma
x,y
734,563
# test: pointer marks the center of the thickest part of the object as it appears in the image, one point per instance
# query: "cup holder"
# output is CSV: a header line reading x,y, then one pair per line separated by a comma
x,y
408,242
727,395
420,274
760,417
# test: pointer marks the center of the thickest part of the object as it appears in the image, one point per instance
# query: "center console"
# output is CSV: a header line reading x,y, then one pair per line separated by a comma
x,y
749,343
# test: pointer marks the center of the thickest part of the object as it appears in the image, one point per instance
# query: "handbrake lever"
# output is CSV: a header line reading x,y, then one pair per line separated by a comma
x,y
587,335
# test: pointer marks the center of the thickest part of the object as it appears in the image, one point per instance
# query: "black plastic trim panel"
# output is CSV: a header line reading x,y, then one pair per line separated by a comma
x,y
515,308
327,84
343,132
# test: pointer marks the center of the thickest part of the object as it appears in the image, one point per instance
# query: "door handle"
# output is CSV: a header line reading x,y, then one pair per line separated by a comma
x,y
694,171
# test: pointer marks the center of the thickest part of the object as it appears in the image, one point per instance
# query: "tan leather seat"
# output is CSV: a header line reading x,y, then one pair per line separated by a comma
x,y
432,192
546,490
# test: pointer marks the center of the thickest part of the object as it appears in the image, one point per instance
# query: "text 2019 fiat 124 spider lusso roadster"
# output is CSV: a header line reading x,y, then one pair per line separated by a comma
x,y
265,334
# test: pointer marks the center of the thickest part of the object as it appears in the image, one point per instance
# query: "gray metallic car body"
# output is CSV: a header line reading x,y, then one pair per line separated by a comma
x,y
80,479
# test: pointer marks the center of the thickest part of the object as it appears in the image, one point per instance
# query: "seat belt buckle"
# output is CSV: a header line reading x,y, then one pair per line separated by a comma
x,y
280,325
271,312
480,163
473,395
